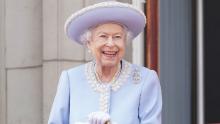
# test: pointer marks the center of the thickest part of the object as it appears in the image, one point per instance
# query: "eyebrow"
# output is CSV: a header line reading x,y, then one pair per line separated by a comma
x,y
107,33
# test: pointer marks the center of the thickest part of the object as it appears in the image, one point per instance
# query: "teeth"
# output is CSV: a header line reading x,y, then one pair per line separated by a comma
x,y
110,52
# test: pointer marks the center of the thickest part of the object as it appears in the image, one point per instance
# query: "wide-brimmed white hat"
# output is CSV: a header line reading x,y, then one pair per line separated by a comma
x,y
110,11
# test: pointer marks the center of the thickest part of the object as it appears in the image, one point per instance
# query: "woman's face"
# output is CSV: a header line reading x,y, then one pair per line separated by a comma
x,y
108,44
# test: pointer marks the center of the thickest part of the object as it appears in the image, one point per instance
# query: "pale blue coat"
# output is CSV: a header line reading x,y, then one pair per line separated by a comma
x,y
133,103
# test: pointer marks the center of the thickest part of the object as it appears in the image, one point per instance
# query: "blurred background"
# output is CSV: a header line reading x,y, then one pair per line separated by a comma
x,y
181,42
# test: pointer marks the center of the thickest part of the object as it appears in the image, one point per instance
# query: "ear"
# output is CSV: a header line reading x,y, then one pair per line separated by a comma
x,y
88,44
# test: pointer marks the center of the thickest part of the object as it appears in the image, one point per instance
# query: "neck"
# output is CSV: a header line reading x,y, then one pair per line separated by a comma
x,y
107,73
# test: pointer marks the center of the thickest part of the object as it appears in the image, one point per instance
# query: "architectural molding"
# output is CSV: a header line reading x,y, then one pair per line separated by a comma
x,y
138,43
3,97
200,62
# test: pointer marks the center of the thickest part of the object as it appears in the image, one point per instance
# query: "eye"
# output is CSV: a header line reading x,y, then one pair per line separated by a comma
x,y
103,36
117,37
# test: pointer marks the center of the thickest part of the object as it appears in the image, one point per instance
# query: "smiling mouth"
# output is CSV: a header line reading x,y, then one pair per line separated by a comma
x,y
110,53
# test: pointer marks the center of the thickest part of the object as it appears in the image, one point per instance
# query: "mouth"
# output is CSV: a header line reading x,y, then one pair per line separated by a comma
x,y
110,53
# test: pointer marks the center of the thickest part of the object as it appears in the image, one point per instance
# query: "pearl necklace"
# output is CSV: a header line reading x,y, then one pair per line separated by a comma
x,y
116,82
124,70
113,78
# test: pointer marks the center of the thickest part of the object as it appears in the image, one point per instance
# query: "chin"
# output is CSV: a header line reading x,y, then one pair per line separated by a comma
x,y
110,63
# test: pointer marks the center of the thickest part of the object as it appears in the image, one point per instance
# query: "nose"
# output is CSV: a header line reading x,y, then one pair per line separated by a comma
x,y
110,42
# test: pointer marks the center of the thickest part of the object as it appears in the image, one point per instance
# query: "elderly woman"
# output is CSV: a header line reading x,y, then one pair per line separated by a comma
x,y
107,89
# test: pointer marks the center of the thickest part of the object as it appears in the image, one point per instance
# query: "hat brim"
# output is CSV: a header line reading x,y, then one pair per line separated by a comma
x,y
131,18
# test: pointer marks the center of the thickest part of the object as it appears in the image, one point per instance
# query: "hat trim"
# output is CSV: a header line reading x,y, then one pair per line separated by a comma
x,y
100,5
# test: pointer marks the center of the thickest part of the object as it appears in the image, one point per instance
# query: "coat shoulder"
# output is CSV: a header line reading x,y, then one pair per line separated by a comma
x,y
78,69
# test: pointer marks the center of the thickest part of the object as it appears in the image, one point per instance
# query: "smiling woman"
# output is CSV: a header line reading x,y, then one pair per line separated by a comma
x,y
107,44
92,93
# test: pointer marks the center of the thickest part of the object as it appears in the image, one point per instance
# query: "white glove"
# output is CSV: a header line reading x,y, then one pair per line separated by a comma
x,y
99,118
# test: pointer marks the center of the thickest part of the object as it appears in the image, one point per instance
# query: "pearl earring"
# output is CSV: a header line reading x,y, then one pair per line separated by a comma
x,y
89,51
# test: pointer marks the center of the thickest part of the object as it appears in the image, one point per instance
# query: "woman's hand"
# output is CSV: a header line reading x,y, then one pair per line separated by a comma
x,y
99,118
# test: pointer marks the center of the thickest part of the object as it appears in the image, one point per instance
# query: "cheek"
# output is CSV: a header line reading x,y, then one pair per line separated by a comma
x,y
96,50
122,49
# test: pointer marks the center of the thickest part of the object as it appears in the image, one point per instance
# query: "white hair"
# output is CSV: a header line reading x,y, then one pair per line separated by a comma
x,y
86,36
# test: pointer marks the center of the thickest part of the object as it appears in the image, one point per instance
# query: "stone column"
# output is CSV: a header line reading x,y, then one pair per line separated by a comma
x,y
59,52
23,61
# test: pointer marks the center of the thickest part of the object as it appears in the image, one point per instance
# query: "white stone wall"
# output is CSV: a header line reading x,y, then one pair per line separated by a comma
x,y
33,52
22,57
